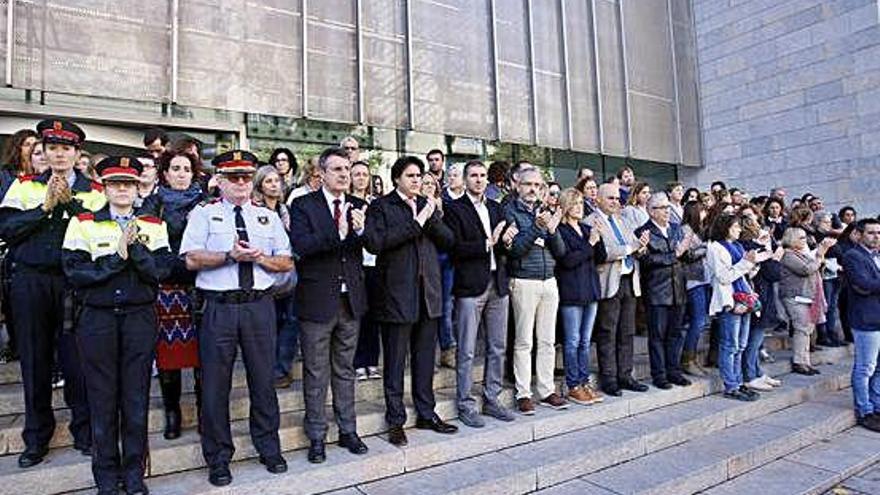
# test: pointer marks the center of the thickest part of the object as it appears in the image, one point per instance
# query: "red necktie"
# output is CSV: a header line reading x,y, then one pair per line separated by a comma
x,y
337,212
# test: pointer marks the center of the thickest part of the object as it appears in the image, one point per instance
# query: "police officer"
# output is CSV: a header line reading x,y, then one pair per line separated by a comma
x,y
33,218
114,261
237,246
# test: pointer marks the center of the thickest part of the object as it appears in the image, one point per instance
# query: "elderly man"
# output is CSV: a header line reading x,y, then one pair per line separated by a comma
x,y
619,282
351,147
533,291
666,296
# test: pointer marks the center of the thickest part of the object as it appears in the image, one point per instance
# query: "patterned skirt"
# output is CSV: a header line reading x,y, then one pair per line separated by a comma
x,y
178,343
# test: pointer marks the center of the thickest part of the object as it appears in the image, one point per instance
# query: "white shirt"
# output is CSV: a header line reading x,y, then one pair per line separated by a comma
x,y
483,213
663,230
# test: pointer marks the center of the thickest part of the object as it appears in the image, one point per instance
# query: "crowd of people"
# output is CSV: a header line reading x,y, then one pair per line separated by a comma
x,y
116,265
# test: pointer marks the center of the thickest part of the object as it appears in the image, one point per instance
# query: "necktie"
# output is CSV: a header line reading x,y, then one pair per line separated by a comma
x,y
620,240
245,268
412,204
337,212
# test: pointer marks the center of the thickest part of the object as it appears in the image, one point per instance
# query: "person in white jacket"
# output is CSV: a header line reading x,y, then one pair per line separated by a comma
x,y
728,265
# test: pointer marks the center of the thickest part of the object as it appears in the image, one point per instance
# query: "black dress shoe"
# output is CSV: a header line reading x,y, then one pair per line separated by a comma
x,y
172,424
436,424
611,389
317,452
137,489
663,384
396,436
219,475
634,385
31,457
275,464
353,443
680,381
801,369
85,450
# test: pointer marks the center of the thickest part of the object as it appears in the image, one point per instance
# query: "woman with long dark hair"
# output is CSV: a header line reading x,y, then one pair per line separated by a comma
x,y
177,347
366,357
16,159
285,163
697,285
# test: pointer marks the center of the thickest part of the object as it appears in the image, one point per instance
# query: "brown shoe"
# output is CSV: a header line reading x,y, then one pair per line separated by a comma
x,y
447,358
554,401
595,395
580,395
690,365
525,406
284,381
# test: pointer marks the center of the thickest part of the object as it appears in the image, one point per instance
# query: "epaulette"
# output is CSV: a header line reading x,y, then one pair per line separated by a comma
x,y
150,219
97,186
85,216
27,178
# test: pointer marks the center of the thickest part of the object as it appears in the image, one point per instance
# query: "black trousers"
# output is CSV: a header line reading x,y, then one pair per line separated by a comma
x,y
420,339
39,319
225,327
117,350
665,341
616,323
367,353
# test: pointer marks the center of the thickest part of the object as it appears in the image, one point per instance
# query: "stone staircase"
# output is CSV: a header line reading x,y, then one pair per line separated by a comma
x,y
682,440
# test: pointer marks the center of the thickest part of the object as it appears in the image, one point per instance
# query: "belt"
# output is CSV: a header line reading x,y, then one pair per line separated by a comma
x,y
240,296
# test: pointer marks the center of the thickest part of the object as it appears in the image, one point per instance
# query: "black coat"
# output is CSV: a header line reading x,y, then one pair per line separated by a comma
x,y
576,274
469,256
663,280
406,259
323,261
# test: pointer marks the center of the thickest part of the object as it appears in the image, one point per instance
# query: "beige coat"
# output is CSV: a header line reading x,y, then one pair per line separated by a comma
x,y
609,271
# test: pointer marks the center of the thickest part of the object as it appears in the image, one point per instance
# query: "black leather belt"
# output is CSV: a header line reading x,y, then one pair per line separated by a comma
x,y
234,296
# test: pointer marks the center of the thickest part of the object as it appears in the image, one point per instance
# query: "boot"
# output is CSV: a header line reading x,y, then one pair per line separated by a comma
x,y
690,366
169,381
197,375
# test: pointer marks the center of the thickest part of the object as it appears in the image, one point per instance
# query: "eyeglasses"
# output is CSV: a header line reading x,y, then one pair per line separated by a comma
x,y
553,193
241,179
660,207
615,198
350,148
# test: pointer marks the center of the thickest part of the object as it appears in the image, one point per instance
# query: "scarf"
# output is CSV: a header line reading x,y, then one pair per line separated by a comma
x,y
736,254
175,206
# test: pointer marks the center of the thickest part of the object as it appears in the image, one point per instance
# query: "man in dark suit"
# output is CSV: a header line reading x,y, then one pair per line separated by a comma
x,y
326,229
861,263
405,230
481,292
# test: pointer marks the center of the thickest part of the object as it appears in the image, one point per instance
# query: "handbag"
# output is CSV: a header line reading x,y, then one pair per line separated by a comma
x,y
747,302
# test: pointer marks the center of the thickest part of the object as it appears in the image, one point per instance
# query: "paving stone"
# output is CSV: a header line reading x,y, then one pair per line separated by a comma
x,y
578,417
575,487
489,474
676,424
779,478
69,471
845,454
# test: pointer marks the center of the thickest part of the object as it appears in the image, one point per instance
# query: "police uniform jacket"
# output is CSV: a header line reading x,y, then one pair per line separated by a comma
x,y
406,258
99,275
35,236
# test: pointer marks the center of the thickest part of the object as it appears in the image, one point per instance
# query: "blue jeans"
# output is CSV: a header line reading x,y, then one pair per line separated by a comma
x,y
698,315
288,335
828,330
752,357
447,331
734,337
865,375
577,322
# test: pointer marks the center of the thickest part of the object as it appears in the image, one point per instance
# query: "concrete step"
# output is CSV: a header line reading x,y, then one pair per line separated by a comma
x,y
530,453
814,469
289,400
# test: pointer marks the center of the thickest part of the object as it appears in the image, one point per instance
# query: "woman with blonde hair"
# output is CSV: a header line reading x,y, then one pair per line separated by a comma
x,y
636,210
578,283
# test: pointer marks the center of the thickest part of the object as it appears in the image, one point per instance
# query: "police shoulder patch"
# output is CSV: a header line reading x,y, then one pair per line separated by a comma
x,y
150,219
27,178
97,186
85,216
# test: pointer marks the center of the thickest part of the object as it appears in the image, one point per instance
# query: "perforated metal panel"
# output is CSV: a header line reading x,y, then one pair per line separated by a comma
x,y
94,47
241,55
514,79
581,76
549,79
452,67
384,37
611,77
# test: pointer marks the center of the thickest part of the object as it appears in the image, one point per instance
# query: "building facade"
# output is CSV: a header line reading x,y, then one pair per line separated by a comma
x,y
567,83
790,96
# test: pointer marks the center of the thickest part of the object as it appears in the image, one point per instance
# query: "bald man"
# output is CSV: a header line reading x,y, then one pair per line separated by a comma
x,y
619,283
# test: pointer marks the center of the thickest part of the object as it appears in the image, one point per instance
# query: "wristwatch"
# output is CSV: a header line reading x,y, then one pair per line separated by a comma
x,y
228,259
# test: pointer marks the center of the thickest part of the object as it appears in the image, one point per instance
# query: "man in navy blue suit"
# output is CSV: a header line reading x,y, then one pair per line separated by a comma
x,y
862,267
326,229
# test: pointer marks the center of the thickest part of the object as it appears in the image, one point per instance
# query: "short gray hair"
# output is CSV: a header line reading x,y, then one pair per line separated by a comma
x,y
656,198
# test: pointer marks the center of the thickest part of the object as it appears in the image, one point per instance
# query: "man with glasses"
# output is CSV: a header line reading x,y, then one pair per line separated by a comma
x,y
237,247
619,283
351,146
666,296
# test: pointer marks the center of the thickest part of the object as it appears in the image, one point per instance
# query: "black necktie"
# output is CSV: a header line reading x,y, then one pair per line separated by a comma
x,y
245,268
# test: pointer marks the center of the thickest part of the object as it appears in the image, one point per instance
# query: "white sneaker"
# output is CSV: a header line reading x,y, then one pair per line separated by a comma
x,y
361,374
373,373
759,384
771,381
